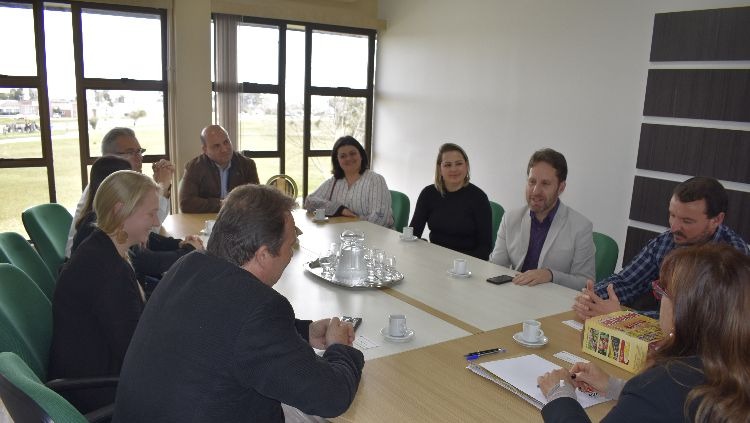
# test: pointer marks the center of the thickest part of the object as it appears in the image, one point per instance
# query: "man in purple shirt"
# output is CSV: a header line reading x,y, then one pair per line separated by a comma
x,y
546,240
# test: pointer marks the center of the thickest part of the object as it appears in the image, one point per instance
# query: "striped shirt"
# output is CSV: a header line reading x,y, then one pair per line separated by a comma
x,y
368,198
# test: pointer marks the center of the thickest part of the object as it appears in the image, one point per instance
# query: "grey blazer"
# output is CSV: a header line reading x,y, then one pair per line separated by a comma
x,y
568,250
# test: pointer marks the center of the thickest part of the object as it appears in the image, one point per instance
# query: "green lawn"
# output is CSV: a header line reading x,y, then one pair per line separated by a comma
x,y
24,187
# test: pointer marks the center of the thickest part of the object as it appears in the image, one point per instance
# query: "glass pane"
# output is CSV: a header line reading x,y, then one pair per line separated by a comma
x,y
67,166
333,117
267,167
318,170
121,45
339,60
19,124
257,54
258,122
21,189
17,30
142,111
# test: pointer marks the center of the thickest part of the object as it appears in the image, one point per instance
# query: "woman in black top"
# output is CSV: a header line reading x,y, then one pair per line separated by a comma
x,y
98,301
457,212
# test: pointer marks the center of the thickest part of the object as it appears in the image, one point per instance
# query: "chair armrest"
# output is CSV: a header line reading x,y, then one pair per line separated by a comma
x,y
102,415
64,385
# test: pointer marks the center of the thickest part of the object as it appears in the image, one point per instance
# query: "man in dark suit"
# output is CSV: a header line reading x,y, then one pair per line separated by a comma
x,y
211,176
216,343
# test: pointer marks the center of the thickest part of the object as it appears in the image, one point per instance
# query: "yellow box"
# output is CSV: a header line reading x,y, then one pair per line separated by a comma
x,y
622,338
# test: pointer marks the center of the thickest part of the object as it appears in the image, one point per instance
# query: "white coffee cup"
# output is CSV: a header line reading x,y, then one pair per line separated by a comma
x,y
320,214
209,226
532,331
408,232
459,267
397,325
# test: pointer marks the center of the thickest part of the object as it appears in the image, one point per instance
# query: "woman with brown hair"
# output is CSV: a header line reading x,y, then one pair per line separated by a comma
x,y
701,372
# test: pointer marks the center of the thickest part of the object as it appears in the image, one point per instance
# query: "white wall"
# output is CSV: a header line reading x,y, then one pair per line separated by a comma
x,y
503,78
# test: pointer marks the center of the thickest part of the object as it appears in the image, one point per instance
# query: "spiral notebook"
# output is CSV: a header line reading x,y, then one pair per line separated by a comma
x,y
519,375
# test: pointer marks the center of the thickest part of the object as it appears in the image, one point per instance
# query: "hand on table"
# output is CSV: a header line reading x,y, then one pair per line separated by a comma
x,y
533,277
588,304
588,375
326,332
193,240
347,213
551,379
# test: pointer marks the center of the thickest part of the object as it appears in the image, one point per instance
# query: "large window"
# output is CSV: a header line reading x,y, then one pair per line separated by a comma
x,y
72,72
300,86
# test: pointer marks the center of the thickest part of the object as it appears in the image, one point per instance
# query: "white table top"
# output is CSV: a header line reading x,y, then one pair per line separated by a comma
x,y
314,298
473,300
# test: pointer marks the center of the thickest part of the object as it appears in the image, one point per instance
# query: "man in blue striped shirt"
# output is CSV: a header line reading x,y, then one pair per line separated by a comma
x,y
696,216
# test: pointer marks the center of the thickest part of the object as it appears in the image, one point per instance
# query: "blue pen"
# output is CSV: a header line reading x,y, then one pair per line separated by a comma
x,y
476,354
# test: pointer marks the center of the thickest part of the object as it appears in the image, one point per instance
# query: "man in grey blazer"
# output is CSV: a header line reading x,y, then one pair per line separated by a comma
x,y
546,240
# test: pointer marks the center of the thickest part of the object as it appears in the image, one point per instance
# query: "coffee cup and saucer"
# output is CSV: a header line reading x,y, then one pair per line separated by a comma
x,y
319,215
459,269
397,331
208,227
532,336
408,234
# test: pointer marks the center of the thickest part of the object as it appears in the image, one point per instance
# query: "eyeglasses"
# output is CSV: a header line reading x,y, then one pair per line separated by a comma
x,y
658,290
136,152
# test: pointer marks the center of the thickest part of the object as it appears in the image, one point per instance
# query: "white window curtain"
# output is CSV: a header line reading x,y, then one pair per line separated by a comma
x,y
227,87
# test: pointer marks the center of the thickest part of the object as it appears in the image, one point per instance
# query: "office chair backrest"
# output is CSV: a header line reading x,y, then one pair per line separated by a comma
x,y
497,215
28,399
16,251
605,256
400,205
48,226
25,319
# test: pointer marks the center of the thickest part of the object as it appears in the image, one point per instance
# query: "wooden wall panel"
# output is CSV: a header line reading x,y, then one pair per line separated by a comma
x,y
714,94
650,204
635,240
722,153
718,34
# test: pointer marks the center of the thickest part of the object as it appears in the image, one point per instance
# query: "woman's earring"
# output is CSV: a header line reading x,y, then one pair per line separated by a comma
x,y
121,236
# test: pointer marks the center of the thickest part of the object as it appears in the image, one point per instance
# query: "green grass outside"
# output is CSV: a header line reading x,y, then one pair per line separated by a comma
x,y
21,188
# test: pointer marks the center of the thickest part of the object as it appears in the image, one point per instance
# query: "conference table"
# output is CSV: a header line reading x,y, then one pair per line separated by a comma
x,y
426,379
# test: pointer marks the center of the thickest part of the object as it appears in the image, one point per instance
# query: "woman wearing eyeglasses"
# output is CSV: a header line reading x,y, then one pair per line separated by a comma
x,y
354,190
701,372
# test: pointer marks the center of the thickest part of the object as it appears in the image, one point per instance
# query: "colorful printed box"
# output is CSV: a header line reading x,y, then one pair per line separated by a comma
x,y
622,338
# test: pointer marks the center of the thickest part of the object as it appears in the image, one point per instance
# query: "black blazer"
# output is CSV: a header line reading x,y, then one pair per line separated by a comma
x,y
215,344
656,395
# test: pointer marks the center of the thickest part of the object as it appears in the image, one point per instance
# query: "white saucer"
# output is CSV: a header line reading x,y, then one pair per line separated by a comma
x,y
542,342
407,338
458,275
325,219
408,239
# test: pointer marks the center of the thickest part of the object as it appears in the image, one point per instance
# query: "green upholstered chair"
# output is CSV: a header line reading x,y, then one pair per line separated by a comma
x,y
400,205
25,319
27,399
14,249
606,255
26,330
497,215
48,226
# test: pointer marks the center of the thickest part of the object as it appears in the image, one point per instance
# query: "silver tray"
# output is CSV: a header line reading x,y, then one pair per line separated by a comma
x,y
372,281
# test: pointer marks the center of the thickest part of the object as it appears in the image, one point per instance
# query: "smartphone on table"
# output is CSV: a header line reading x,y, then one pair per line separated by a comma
x,y
499,280
355,321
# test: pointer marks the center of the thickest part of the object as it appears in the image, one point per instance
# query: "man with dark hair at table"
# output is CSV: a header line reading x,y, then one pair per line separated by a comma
x,y
696,215
211,176
216,342
546,240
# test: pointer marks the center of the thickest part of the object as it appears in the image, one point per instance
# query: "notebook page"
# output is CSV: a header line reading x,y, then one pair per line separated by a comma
x,y
522,372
